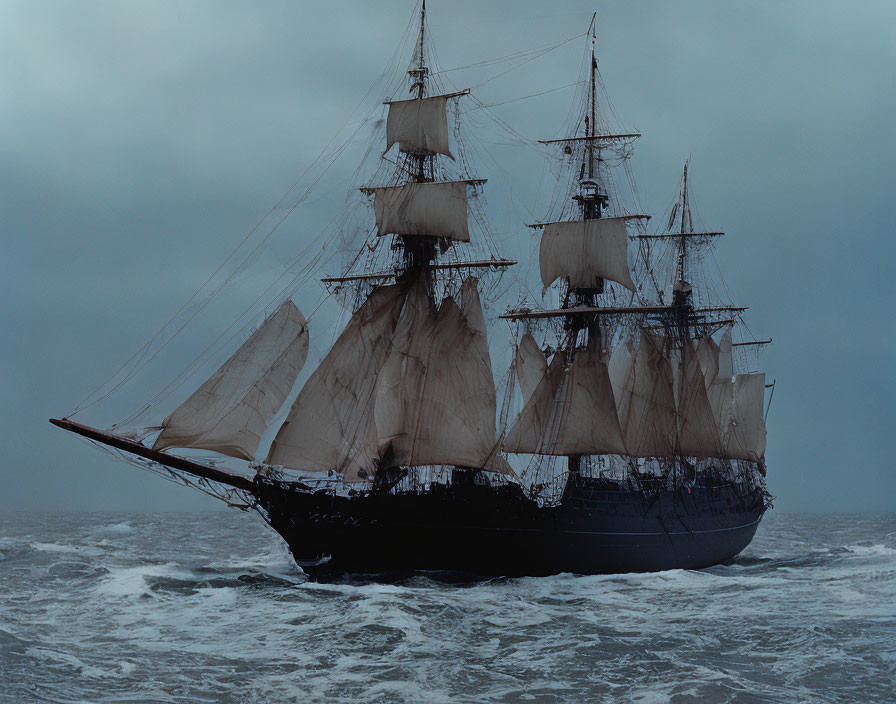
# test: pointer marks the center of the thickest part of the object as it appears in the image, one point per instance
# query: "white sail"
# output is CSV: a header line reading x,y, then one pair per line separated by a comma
x,y
698,432
746,432
400,387
437,209
230,411
645,399
585,250
726,357
571,412
739,412
330,425
419,126
436,399
531,365
708,358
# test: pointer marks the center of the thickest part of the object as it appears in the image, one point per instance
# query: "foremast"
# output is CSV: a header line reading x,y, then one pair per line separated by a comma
x,y
420,251
408,384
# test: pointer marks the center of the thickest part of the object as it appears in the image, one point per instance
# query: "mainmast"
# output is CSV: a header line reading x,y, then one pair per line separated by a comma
x,y
685,213
681,291
585,402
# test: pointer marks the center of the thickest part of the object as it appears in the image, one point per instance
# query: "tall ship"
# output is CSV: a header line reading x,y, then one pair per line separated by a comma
x,y
627,434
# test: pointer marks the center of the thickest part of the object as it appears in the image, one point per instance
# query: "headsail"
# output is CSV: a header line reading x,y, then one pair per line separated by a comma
x,y
231,410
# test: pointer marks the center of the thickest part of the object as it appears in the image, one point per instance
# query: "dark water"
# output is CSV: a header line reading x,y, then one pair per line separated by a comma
x,y
209,608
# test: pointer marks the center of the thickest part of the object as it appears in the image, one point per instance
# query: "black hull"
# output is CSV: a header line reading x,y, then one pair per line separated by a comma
x,y
497,531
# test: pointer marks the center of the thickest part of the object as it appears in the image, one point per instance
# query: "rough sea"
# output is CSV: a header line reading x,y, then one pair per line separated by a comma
x,y
209,607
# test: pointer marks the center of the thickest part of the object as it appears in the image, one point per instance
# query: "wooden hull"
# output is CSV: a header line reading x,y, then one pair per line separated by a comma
x,y
599,527
486,531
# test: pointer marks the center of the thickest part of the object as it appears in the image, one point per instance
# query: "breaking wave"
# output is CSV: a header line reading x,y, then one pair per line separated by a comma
x,y
210,608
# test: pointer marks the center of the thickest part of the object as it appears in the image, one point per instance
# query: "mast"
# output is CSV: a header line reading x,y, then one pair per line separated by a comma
x,y
684,209
591,202
420,251
681,291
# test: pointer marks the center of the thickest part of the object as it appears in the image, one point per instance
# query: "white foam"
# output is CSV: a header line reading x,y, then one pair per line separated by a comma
x,y
876,550
68,549
129,582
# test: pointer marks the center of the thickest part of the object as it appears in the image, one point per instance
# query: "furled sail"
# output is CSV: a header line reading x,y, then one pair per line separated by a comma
x,y
330,425
644,397
231,410
571,412
436,400
584,251
420,126
531,366
436,209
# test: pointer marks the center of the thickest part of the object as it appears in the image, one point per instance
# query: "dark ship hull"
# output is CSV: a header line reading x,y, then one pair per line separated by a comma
x,y
599,527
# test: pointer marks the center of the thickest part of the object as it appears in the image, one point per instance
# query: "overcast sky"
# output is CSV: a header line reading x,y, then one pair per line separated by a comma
x,y
141,141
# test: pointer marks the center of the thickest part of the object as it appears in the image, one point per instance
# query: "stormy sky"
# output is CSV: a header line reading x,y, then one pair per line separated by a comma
x,y
142,141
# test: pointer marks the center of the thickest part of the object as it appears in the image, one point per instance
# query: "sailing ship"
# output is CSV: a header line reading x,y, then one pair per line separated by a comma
x,y
637,446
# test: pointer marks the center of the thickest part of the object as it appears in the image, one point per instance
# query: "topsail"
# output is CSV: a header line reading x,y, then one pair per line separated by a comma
x,y
432,209
584,251
419,126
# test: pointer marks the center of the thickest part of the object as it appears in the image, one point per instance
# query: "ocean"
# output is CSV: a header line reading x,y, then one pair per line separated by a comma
x,y
209,607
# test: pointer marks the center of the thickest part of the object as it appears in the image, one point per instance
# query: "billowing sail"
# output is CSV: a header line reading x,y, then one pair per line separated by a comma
x,y
531,366
400,388
698,432
584,251
437,209
738,408
419,126
436,399
571,412
330,425
645,398
403,385
230,411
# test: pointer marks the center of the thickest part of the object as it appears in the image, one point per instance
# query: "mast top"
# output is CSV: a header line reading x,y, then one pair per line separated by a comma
x,y
419,73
